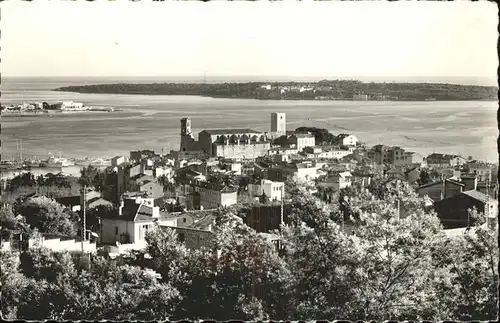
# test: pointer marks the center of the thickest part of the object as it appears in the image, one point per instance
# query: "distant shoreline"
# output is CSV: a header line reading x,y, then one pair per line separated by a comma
x,y
318,91
52,113
95,79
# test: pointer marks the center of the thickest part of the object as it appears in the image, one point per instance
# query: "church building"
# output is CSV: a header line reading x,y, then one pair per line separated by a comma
x,y
227,143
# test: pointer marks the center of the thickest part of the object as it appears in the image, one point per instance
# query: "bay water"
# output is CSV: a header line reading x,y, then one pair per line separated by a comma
x,y
468,128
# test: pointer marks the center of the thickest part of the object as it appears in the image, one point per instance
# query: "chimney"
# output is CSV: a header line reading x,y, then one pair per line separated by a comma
x,y
156,212
470,182
443,188
120,208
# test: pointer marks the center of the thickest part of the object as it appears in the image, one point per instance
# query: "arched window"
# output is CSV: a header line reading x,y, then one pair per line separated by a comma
x,y
244,139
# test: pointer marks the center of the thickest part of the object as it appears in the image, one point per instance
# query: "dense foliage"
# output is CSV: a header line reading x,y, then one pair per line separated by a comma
x,y
393,261
43,284
337,89
48,216
51,185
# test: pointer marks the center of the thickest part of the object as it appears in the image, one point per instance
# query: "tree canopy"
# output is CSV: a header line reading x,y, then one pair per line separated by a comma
x,y
340,89
48,216
394,263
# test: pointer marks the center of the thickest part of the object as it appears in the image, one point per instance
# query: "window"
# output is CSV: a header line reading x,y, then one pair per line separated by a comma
x,y
116,230
182,237
184,220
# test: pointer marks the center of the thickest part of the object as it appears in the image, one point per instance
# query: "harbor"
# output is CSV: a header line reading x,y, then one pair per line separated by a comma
x,y
13,165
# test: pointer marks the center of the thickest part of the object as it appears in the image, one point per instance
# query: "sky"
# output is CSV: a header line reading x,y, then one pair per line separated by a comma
x,y
285,39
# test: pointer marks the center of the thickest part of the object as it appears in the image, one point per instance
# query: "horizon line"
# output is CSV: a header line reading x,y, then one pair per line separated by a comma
x,y
283,78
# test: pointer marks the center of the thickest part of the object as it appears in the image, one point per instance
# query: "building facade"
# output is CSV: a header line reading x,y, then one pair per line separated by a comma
x,y
346,140
118,160
130,224
227,143
395,156
337,181
278,123
301,140
441,189
273,190
204,195
454,211
234,143
444,160
482,171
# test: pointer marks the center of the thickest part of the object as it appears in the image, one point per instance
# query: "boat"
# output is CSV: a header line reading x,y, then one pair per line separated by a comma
x,y
4,165
101,162
54,162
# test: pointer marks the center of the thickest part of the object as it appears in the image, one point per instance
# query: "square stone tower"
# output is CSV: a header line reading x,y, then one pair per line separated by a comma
x,y
185,127
278,123
187,140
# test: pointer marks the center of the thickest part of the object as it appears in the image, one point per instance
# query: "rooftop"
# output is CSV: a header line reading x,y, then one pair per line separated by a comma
x,y
215,187
412,169
203,222
133,212
477,196
230,131
442,156
440,182
302,135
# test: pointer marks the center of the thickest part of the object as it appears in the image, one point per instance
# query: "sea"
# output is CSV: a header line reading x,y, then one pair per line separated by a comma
x,y
468,128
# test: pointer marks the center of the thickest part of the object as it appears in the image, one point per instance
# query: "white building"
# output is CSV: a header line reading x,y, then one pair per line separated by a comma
x,y
325,152
273,190
118,160
166,171
282,151
130,224
360,97
345,139
70,105
208,196
337,181
301,140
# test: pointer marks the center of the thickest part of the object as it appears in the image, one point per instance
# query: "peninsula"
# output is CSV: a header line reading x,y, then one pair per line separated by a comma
x,y
37,108
322,90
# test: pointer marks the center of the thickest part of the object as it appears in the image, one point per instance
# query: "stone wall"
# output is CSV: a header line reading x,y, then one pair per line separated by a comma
x,y
248,151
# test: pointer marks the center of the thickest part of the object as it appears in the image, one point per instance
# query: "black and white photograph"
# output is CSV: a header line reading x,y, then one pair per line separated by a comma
x,y
249,160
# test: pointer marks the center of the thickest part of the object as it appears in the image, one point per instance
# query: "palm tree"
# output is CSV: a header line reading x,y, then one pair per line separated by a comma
x,y
87,175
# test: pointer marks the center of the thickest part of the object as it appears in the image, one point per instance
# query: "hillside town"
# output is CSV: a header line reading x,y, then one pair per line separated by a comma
x,y
232,198
166,161
183,189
